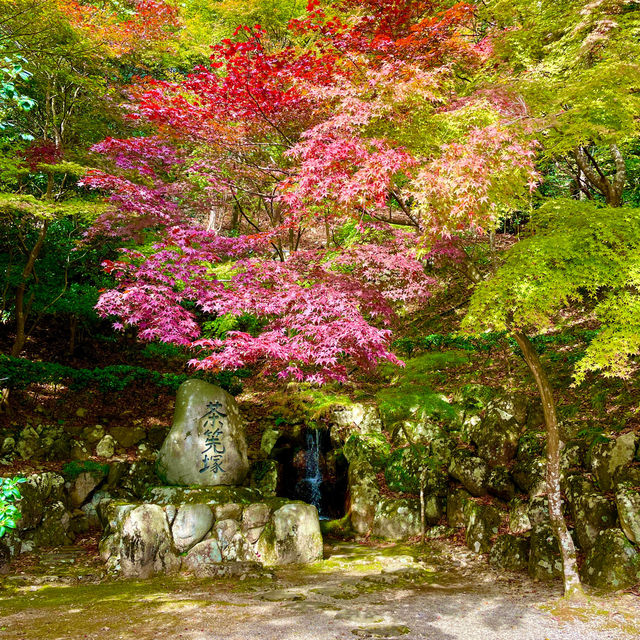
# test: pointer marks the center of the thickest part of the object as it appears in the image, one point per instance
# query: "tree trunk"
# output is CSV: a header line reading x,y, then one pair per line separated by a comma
x,y
21,312
572,586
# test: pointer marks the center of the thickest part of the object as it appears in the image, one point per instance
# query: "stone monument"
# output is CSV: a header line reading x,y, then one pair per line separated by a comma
x,y
205,521
206,445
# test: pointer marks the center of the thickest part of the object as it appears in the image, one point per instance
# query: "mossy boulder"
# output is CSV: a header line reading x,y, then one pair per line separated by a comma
x,y
608,459
628,504
510,553
612,563
140,545
264,477
397,519
519,521
469,470
529,475
496,436
410,466
292,536
364,495
500,483
206,444
483,522
592,513
457,500
545,562
373,448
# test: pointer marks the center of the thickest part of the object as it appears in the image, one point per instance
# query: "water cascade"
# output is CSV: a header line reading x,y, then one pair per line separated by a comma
x,y
313,476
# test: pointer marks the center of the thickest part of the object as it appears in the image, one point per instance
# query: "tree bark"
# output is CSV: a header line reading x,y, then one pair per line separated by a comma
x,y
21,313
572,586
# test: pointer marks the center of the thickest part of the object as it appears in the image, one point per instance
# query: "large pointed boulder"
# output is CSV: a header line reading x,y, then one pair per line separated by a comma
x,y
206,444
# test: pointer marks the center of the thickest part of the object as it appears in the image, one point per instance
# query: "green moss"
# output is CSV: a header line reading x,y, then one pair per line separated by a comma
x,y
71,470
371,447
340,528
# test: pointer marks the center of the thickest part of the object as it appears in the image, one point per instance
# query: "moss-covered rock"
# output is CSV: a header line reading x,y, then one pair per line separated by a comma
x,y
612,563
529,475
263,476
500,483
373,448
607,459
364,493
407,468
519,521
592,513
628,504
496,436
483,522
470,470
207,495
510,553
292,536
457,500
140,544
545,562
397,519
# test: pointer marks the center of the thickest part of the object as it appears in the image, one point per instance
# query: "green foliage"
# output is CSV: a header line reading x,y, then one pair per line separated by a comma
x,y
576,65
219,327
19,373
9,493
581,254
410,392
407,466
71,470
373,448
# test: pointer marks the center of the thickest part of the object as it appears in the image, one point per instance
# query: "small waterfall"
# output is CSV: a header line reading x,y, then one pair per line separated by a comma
x,y
313,475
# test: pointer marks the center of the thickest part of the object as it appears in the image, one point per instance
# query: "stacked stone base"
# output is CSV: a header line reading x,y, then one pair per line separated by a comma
x,y
206,531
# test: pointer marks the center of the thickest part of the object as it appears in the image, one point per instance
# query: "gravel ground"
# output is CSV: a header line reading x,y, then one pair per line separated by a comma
x,y
441,593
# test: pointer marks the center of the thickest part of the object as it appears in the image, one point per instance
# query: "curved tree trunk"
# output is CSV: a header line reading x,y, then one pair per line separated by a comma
x,y
572,586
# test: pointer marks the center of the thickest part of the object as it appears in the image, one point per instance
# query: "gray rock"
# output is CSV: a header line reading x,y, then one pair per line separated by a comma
x,y
268,441
530,475
612,563
227,511
365,495
628,503
92,435
519,521
291,537
191,524
234,547
128,437
255,515
510,553
496,436
500,484
545,562
206,444
142,545
397,519
84,485
471,471
106,447
457,501
608,459
264,477
361,418
483,522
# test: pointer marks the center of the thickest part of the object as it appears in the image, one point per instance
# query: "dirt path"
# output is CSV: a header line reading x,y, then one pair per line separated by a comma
x,y
443,593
